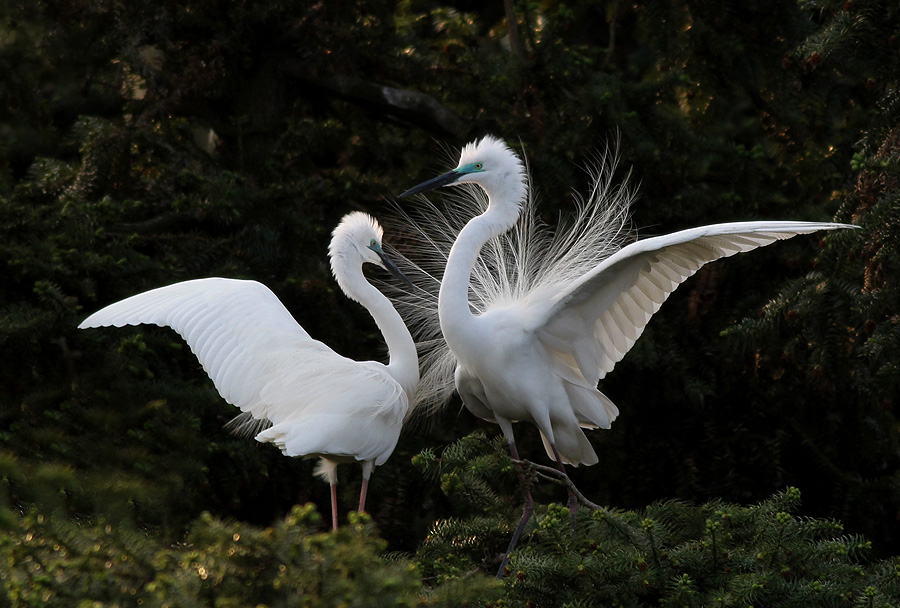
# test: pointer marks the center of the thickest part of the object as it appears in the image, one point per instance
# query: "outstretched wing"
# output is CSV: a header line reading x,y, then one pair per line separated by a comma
x,y
597,319
259,358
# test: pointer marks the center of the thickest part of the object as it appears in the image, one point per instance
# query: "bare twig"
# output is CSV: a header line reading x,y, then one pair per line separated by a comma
x,y
515,41
612,32
557,476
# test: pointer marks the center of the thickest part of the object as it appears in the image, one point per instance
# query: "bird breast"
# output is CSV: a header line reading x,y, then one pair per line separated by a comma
x,y
506,370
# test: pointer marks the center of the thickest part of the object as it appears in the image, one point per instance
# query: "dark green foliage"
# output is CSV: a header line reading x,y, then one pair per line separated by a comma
x,y
57,562
668,554
671,553
832,333
468,472
147,143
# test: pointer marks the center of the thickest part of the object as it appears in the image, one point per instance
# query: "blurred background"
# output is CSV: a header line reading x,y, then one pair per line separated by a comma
x,y
147,143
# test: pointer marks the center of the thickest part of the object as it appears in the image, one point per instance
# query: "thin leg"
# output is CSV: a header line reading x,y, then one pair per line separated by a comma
x,y
327,470
367,467
526,511
362,495
334,516
573,500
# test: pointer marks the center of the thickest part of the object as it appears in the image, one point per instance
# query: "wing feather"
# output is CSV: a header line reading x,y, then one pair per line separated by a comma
x,y
614,302
624,321
259,358
649,289
574,285
214,349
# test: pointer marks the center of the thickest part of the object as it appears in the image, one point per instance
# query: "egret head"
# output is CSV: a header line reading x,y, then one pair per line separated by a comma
x,y
357,241
491,164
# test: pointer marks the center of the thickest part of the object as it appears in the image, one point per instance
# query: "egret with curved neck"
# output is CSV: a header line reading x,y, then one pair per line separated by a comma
x,y
310,401
536,346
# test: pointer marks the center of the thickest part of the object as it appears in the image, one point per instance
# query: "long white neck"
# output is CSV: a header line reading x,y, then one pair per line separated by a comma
x,y
403,361
457,321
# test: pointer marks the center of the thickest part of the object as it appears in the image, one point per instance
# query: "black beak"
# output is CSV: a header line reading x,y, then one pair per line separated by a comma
x,y
434,183
392,268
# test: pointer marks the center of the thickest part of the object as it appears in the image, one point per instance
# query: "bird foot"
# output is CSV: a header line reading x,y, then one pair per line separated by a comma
x,y
561,478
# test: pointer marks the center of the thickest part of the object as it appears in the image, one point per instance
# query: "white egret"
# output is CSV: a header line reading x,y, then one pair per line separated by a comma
x,y
533,321
314,401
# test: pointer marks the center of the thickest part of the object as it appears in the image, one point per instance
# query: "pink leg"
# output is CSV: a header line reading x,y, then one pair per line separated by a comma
x,y
362,495
367,468
334,515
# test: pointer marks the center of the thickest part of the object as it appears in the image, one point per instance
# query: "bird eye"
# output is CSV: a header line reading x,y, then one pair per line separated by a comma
x,y
373,243
479,166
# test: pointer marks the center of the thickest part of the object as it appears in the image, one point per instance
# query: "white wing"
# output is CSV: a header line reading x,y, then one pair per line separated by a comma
x,y
597,319
259,358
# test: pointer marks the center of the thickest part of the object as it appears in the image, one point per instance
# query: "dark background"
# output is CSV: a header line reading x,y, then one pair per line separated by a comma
x,y
147,143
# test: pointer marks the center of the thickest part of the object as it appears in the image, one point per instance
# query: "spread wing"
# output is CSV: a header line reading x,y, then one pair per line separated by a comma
x,y
597,319
259,358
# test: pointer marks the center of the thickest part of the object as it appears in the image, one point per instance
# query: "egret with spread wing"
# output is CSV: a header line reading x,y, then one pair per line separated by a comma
x,y
314,401
532,322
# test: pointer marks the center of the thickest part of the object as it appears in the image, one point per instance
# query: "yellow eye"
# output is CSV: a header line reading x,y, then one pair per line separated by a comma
x,y
479,166
373,243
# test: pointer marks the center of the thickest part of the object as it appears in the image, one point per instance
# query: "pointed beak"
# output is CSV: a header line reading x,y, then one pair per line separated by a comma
x,y
392,268
441,180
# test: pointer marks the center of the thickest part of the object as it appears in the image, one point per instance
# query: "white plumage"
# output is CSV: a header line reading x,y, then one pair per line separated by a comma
x,y
314,401
531,320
